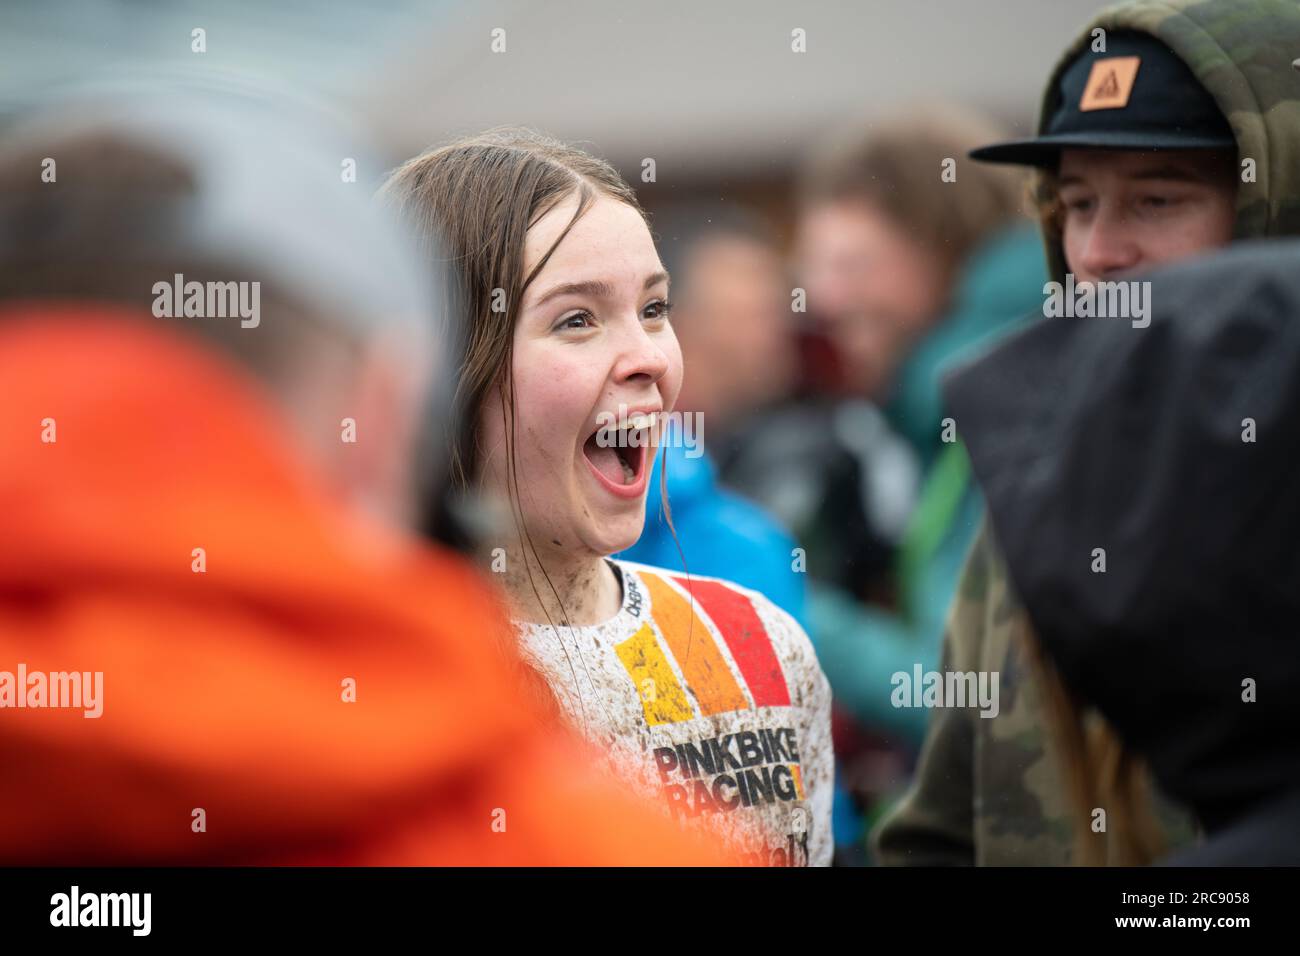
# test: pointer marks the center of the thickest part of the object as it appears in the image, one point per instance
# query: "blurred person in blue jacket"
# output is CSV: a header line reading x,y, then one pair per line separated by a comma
x,y
731,316
713,526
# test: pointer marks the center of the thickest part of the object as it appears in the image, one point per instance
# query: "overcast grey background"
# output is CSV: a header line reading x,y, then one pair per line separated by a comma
x,y
697,85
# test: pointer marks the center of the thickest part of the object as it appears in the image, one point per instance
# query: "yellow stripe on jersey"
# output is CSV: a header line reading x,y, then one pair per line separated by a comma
x,y
662,697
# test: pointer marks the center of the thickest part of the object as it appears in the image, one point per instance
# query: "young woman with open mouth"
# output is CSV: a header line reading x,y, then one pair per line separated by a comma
x,y
708,697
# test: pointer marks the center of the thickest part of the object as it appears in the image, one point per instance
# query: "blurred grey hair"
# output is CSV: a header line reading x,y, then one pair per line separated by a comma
x,y
218,182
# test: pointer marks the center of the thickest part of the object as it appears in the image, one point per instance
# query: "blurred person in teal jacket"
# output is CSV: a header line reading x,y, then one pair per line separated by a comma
x,y
862,646
911,256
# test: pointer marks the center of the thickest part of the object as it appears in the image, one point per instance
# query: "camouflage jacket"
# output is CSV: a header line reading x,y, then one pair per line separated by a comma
x,y
988,790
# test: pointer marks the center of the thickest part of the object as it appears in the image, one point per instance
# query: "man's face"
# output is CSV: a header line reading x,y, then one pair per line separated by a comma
x,y
1129,210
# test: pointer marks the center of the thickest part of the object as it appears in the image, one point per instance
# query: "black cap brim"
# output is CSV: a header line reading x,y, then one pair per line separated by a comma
x,y
1045,150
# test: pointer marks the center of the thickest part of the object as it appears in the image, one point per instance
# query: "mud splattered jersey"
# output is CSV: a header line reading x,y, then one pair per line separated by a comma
x,y
710,700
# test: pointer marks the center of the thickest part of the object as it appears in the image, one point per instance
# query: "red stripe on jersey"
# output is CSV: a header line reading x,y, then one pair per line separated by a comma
x,y
750,645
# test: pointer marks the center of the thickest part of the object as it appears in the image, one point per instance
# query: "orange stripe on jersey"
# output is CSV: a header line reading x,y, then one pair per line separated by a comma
x,y
702,664
751,647
662,697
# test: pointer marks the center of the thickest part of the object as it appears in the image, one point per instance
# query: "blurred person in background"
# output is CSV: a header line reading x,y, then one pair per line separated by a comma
x,y
731,314
729,279
905,268
707,695
1148,125
880,242
194,313
1182,656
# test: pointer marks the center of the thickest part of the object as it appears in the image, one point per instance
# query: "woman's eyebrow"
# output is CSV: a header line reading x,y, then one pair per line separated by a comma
x,y
596,288
592,287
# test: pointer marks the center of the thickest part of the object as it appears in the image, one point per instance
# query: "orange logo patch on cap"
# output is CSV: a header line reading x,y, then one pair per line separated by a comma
x,y
1110,83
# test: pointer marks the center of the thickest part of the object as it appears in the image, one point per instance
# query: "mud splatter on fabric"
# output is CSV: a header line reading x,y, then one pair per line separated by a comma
x,y
710,701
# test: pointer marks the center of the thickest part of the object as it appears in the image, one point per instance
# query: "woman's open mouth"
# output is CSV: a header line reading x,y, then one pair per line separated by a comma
x,y
618,456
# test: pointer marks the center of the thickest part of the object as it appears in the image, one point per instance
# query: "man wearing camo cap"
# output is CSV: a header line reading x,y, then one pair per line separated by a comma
x,y
1167,129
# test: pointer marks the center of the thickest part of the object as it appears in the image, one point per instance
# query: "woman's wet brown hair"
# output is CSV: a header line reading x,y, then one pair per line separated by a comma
x,y
472,202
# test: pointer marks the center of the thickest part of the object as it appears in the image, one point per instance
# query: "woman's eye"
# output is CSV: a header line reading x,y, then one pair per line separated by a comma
x,y
658,309
1078,205
578,320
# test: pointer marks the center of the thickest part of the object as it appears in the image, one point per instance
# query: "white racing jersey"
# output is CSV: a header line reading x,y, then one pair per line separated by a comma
x,y
710,700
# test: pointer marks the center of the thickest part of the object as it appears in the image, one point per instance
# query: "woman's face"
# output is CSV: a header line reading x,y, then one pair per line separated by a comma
x,y
592,346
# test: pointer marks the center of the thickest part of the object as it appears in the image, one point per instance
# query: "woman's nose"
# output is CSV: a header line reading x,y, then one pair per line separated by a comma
x,y
642,356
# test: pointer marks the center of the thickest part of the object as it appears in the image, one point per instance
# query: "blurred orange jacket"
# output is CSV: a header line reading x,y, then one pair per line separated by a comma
x,y
225,736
